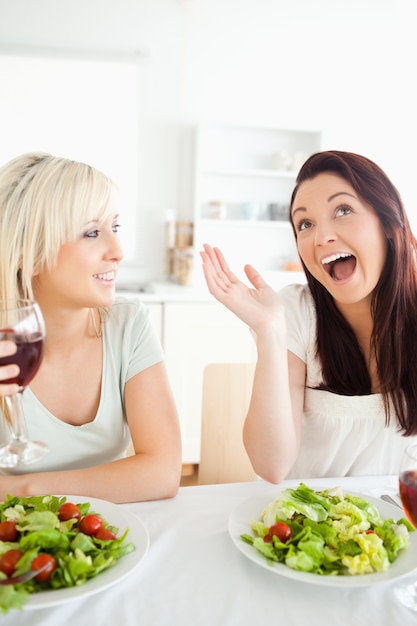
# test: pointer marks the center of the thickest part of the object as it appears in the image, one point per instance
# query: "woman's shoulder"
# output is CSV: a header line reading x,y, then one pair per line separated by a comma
x,y
126,310
127,305
300,317
297,295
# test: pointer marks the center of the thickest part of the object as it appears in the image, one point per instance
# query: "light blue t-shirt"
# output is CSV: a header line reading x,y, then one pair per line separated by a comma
x,y
130,345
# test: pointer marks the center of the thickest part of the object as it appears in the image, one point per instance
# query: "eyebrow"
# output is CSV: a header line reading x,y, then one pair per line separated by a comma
x,y
96,221
329,199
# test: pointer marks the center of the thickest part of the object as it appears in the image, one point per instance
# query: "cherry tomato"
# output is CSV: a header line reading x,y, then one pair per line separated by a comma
x,y
8,531
8,561
282,531
105,534
39,561
90,524
67,511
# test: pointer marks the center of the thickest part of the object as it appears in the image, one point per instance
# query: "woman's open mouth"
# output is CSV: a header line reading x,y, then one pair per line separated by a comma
x,y
340,266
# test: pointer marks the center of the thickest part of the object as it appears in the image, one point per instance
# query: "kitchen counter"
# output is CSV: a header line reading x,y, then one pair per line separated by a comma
x,y
165,292
172,292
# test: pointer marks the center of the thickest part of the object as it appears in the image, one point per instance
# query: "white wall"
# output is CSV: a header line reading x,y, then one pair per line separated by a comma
x,y
344,67
42,110
154,27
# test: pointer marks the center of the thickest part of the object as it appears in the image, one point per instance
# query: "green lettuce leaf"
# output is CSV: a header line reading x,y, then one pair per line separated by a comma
x,y
292,501
332,533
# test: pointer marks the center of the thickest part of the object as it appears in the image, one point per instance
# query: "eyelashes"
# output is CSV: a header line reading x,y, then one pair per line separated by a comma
x,y
340,211
93,234
302,225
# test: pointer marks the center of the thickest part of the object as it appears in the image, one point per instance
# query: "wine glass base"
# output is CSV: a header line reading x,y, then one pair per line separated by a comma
x,y
19,453
407,595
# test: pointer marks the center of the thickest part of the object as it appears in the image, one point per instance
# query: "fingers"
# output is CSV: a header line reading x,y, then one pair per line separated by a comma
x,y
217,260
218,273
213,257
254,277
8,348
9,371
216,282
216,270
222,265
8,390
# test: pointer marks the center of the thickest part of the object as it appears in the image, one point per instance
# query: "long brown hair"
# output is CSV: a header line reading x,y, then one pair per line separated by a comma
x,y
394,300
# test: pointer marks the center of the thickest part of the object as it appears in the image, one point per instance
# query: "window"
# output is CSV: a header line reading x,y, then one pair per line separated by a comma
x,y
78,106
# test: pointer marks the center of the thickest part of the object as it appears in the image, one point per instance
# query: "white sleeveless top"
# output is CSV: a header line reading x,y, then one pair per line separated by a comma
x,y
340,435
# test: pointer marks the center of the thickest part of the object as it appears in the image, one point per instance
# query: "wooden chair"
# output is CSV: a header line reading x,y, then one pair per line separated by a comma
x,y
226,394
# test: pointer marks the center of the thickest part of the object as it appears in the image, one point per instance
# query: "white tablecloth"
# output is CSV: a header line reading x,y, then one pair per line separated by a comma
x,y
193,575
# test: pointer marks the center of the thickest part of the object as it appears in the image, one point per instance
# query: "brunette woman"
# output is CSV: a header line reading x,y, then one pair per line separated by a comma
x,y
335,386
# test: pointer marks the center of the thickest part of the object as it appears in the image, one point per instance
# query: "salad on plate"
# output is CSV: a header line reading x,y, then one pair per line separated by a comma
x,y
74,542
327,532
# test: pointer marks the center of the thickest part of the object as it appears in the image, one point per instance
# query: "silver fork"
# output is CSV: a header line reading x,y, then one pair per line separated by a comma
x,y
16,580
388,498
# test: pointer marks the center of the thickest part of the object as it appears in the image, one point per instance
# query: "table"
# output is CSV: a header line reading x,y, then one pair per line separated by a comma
x,y
193,575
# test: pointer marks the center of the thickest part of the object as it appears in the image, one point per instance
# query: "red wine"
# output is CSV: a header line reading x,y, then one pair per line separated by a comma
x,y
408,494
28,356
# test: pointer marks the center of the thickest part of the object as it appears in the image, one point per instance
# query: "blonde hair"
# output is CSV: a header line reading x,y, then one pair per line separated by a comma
x,y
45,201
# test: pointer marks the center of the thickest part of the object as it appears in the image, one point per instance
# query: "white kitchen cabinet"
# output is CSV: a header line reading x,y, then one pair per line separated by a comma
x,y
243,180
195,331
195,334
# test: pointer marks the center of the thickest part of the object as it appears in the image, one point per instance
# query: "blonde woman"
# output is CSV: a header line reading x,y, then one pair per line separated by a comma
x,y
102,382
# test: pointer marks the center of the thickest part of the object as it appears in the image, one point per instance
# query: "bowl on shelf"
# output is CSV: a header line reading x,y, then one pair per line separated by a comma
x,y
251,210
278,211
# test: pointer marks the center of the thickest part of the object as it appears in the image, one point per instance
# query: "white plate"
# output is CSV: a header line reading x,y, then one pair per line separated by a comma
x,y
250,509
115,516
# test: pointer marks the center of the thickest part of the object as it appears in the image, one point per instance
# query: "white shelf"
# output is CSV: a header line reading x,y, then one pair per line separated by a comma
x,y
243,177
243,223
261,173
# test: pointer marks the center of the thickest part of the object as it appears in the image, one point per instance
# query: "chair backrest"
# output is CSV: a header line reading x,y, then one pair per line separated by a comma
x,y
227,389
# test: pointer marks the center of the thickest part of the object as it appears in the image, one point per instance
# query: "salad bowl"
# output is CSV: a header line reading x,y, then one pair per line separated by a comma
x,y
117,517
250,510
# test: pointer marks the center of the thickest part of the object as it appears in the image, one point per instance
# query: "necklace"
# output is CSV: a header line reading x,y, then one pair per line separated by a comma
x,y
97,331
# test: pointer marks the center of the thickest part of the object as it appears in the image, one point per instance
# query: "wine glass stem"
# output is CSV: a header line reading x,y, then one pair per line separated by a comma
x,y
17,418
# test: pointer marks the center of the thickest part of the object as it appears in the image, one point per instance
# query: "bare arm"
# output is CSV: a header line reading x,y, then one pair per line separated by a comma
x,y
272,427
153,472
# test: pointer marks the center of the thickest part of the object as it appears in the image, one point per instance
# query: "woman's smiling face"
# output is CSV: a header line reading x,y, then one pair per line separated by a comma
x,y
339,237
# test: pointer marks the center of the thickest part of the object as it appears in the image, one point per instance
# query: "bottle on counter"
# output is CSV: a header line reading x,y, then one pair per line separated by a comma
x,y
179,250
170,230
183,265
183,234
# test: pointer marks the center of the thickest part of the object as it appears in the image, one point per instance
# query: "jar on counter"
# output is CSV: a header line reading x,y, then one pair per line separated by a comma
x,y
183,234
217,210
183,265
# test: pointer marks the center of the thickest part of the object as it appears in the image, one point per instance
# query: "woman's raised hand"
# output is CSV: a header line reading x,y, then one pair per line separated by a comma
x,y
257,306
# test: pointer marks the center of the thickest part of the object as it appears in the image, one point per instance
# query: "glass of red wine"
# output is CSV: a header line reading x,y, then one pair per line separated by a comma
x,y
21,321
407,594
